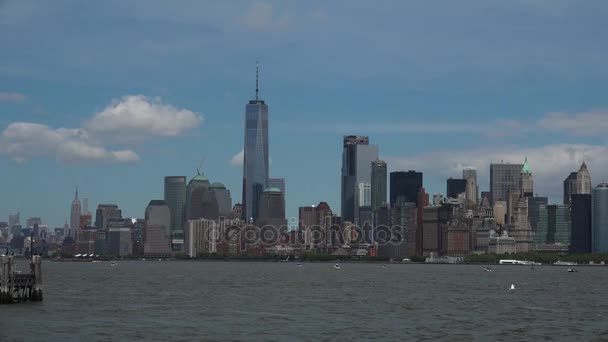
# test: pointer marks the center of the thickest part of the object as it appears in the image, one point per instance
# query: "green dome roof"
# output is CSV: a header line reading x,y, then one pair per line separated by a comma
x,y
526,168
217,185
200,178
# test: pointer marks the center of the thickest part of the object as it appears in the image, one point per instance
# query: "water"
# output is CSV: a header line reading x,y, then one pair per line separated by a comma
x,y
196,301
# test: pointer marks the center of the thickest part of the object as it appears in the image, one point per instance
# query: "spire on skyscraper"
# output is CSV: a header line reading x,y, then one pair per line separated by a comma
x,y
257,89
76,195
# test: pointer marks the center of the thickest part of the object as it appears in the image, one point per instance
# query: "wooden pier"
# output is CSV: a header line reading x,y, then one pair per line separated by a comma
x,y
20,287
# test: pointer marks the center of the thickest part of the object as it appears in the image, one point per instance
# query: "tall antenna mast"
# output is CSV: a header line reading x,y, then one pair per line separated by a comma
x,y
257,89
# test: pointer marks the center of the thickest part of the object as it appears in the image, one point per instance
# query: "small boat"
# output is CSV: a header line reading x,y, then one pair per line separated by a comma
x,y
113,263
337,266
299,265
572,270
512,287
487,269
383,265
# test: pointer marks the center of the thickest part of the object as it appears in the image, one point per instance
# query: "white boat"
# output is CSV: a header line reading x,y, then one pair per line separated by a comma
x,y
113,263
564,263
487,269
299,265
572,270
337,266
512,287
383,265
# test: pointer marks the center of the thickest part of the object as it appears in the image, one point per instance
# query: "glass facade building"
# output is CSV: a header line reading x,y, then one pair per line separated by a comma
x,y
255,158
405,187
580,213
569,187
175,197
599,216
503,178
379,175
553,225
455,187
357,157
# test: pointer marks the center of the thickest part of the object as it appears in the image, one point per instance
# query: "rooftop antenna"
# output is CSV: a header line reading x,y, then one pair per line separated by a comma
x,y
200,166
257,89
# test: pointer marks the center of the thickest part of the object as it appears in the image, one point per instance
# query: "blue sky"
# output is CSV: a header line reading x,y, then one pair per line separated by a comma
x,y
114,95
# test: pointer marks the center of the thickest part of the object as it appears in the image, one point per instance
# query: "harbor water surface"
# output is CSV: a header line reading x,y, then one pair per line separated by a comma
x,y
275,301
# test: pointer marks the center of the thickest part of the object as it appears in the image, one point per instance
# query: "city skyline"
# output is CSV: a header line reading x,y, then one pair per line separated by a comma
x,y
425,112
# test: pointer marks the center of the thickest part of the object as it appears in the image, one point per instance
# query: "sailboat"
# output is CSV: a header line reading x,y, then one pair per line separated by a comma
x,y
512,287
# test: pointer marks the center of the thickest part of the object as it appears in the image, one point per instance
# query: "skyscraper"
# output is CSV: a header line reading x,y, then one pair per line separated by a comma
x,y
255,157
553,225
599,237
277,183
526,182
104,213
199,202
580,213
503,178
157,228
272,209
569,187
455,187
357,157
223,198
175,198
405,187
583,180
378,184
75,213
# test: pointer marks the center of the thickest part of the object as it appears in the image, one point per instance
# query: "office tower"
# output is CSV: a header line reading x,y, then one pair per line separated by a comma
x,y
383,236
500,212
13,220
272,208
423,201
85,206
157,229
471,192
74,216
104,213
526,182
175,198
237,211
503,178
223,199
120,239
30,222
455,187
468,173
599,214
378,186
278,183
583,180
357,157
569,187
202,237
403,219
580,214
255,158
553,225
85,221
534,204
405,187
197,197
363,199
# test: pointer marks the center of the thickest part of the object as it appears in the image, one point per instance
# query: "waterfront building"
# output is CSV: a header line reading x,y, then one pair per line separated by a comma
x,y
378,184
403,218
599,237
569,187
75,213
198,198
583,180
104,213
503,178
203,236
175,198
580,214
157,229
455,187
458,241
553,225
255,156
85,241
272,208
119,241
501,244
357,157
405,186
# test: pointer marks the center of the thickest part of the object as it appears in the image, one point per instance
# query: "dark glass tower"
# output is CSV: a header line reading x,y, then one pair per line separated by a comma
x,y
175,197
580,211
255,159
455,187
357,157
378,187
405,187
569,187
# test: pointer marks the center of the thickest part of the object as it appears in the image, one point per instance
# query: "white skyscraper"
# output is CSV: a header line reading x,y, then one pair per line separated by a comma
x,y
583,180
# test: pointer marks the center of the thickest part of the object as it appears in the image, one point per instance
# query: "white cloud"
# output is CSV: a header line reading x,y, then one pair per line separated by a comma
x,y
22,141
12,97
550,164
260,17
136,117
237,159
585,123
